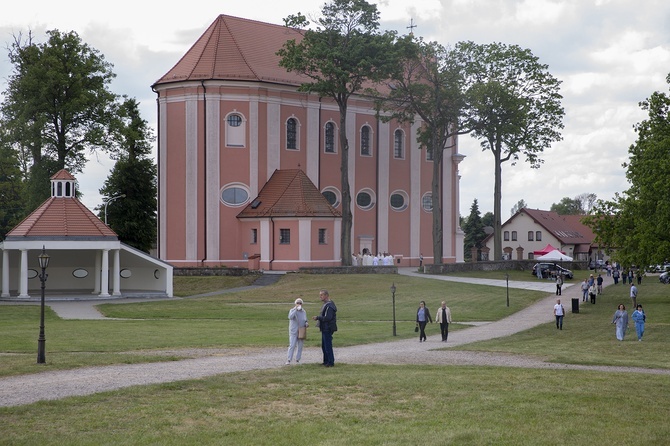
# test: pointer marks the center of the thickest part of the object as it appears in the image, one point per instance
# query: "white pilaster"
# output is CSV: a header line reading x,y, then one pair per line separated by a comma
x,y
23,279
104,287
116,273
5,273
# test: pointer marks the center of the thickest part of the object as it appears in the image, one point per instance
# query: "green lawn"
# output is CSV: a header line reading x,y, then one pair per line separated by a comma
x,y
349,404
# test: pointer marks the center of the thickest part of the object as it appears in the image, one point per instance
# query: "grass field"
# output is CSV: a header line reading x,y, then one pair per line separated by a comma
x,y
349,404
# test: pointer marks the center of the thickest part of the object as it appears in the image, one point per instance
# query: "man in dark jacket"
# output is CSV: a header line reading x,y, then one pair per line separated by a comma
x,y
327,321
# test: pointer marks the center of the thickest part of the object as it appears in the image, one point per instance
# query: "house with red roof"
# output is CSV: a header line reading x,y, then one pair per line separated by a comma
x,y
250,167
86,256
531,230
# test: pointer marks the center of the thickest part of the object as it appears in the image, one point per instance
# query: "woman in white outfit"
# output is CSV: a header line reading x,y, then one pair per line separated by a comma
x,y
297,317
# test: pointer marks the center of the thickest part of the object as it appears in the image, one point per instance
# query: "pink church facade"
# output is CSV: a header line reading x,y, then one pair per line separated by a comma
x,y
230,117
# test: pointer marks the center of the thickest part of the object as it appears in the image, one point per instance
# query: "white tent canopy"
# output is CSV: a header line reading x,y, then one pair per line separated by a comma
x,y
554,256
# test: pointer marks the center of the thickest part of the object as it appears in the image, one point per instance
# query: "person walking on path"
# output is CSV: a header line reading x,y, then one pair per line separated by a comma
x,y
592,292
559,312
633,294
559,284
422,318
640,318
327,321
585,290
297,319
620,320
443,317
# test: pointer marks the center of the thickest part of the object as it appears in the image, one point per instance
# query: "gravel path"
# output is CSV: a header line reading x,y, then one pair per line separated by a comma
x,y
51,385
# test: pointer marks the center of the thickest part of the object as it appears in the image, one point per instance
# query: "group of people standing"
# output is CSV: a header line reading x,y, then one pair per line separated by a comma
x,y
592,287
326,321
442,317
368,259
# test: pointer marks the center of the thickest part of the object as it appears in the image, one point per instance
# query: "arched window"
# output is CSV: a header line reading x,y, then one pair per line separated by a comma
x,y
514,236
530,236
399,144
292,134
235,130
366,141
538,236
506,236
330,137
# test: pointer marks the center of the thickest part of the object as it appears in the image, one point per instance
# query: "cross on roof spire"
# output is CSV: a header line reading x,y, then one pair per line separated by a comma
x,y
411,26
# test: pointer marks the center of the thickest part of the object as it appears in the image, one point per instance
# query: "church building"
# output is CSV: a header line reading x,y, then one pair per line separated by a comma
x,y
249,167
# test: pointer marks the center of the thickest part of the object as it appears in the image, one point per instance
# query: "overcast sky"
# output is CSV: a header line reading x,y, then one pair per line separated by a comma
x,y
609,54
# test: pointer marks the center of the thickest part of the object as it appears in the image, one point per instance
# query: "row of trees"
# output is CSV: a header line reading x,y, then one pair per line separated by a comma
x,y
634,224
57,110
500,94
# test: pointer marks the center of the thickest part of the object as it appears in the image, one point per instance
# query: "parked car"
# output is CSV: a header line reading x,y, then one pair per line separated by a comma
x,y
597,264
551,269
664,277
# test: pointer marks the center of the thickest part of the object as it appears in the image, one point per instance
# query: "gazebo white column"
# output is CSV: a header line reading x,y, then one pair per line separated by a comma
x,y
104,274
116,274
5,273
23,279
96,274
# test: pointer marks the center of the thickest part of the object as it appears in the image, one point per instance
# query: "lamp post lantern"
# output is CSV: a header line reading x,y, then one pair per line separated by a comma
x,y
393,297
108,200
41,341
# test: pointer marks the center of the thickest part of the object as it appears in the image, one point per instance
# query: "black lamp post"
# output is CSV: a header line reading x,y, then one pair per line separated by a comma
x,y
393,297
507,277
41,341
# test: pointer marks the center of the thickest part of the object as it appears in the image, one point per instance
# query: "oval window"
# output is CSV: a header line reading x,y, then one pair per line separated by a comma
x,y
125,273
157,274
427,202
80,273
234,195
32,274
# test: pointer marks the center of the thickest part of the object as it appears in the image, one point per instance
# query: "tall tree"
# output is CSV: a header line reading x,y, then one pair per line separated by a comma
x,y
518,206
132,217
343,52
57,105
568,206
474,231
427,85
11,187
635,223
514,109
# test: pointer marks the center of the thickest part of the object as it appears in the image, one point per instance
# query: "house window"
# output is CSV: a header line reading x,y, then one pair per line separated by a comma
x,y
538,236
284,236
322,236
292,134
365,140
427,202
399,144
254,236
530,236
429,154
506,236
514,236
235,130
330,137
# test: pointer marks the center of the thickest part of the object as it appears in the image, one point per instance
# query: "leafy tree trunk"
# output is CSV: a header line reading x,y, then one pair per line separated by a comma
x,y
497,202
438,155
347,219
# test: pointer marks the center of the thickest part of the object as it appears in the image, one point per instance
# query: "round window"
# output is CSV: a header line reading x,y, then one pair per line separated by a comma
x,y
398,201
331,195
365,199
234,195
234,120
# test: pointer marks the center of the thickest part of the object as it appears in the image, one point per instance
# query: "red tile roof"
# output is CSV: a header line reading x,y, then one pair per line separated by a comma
x,y
234,48
63,175
289,193
61,217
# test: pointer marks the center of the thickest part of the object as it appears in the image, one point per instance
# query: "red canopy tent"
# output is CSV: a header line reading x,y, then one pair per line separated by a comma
x,y
546,250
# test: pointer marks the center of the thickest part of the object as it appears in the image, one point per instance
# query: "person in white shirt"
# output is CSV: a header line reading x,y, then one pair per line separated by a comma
x,y
559,312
